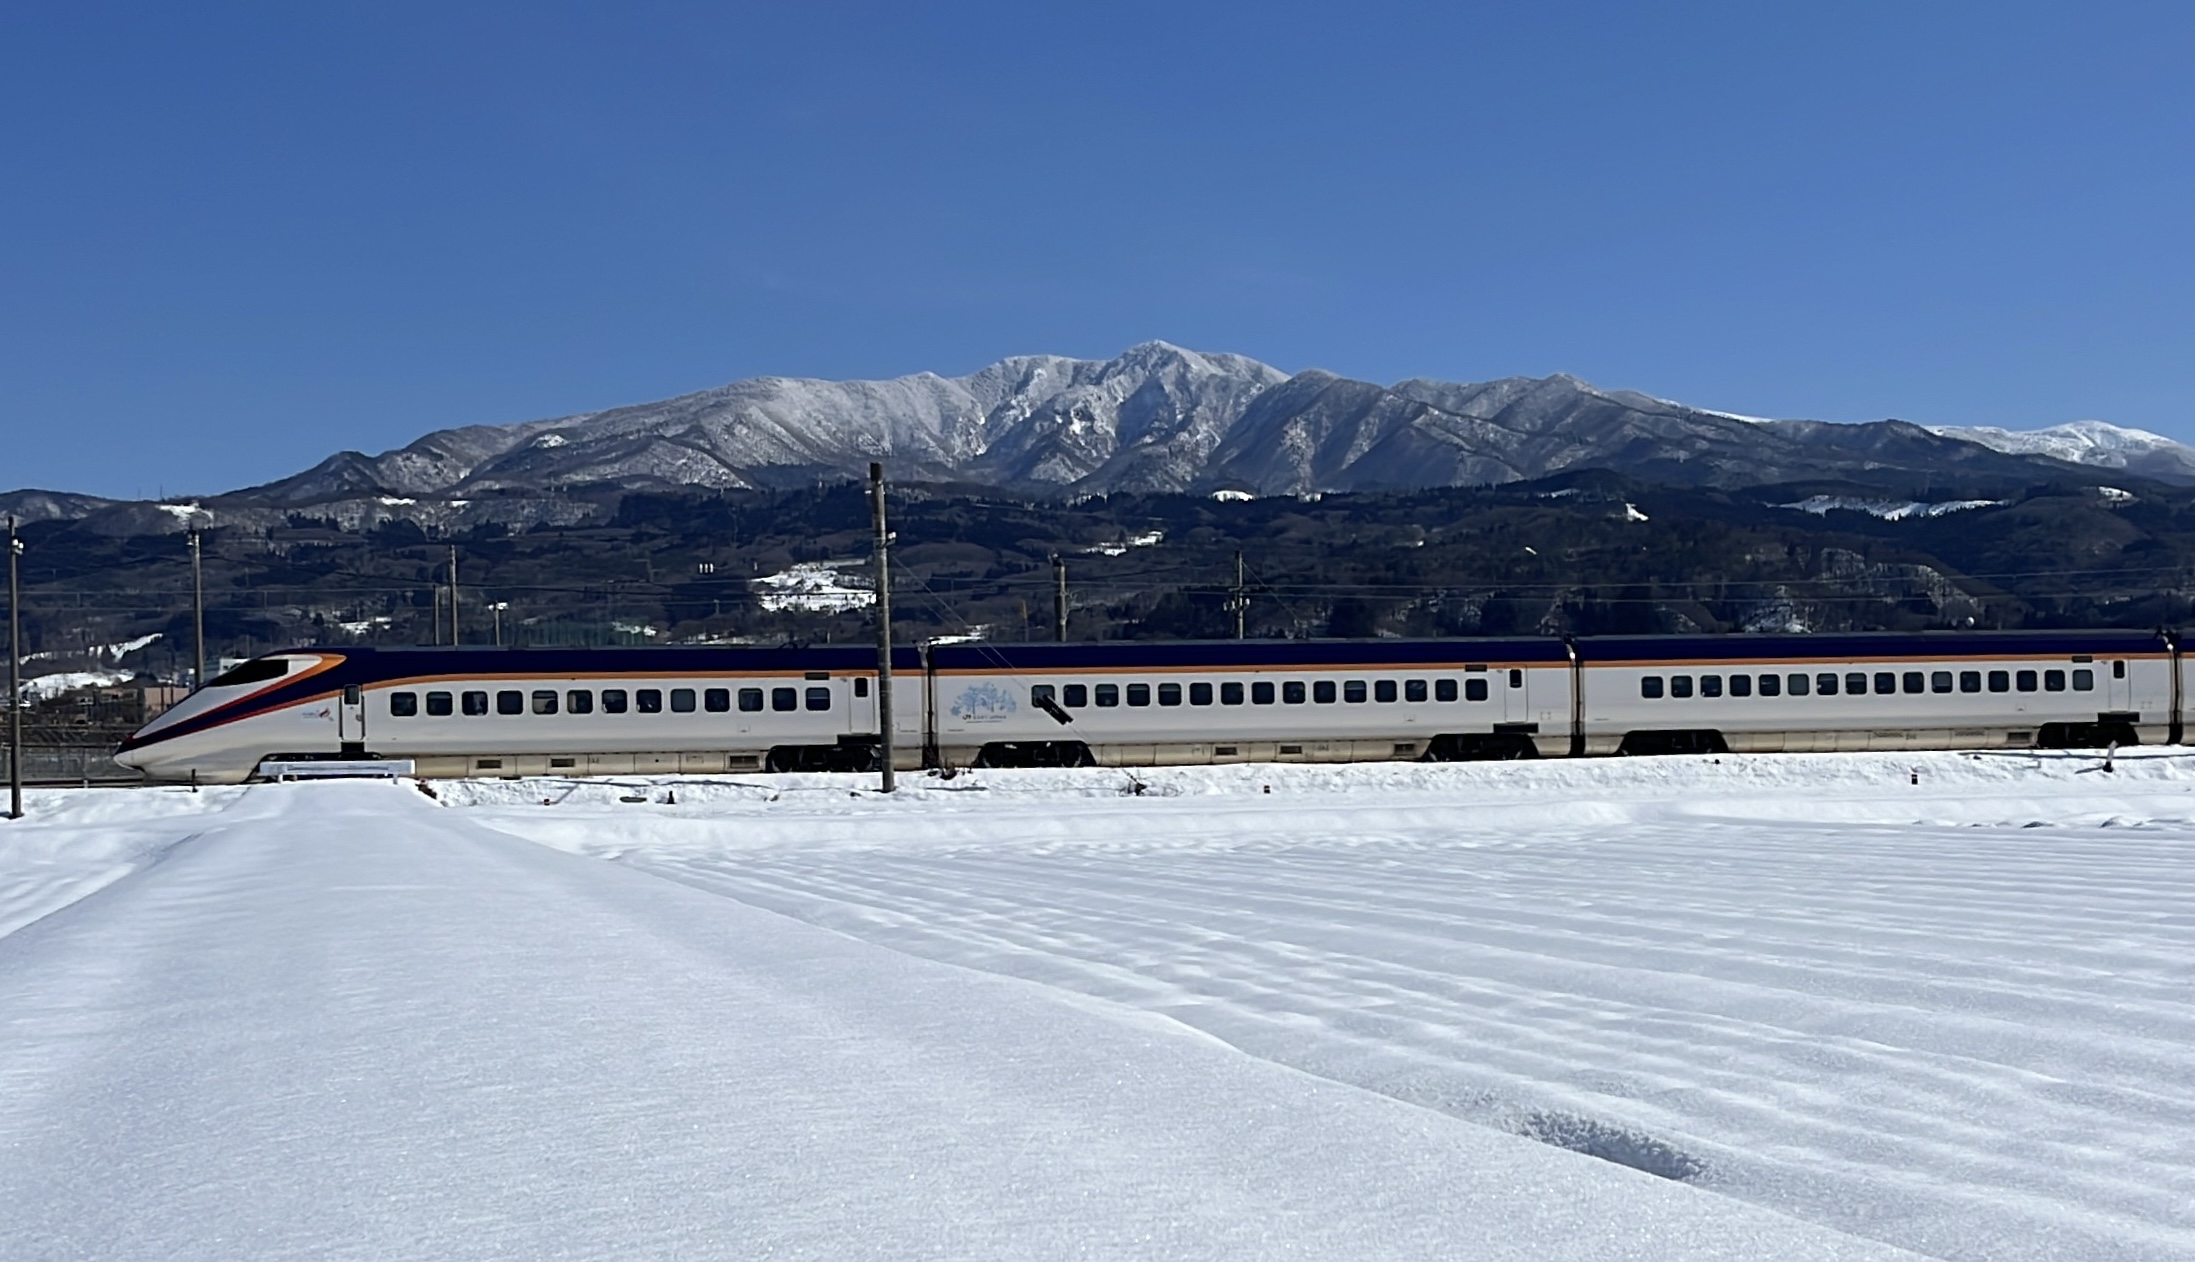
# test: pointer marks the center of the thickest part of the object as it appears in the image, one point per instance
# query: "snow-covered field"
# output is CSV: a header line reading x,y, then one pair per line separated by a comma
x,y
1824,1006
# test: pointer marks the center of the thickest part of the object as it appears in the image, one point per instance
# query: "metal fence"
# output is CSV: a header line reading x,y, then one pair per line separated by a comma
x,y
69,764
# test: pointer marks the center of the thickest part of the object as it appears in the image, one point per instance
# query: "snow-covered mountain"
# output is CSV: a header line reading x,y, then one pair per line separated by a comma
x,y
1148,420
1161,418
1157,418
2097,443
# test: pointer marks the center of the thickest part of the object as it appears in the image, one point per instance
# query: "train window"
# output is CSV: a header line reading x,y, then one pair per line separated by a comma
x,y
1650,687
1139,694
1772,685
1741,685
350,694
1200,694
2053,681
648,700
1795,684
2024,681
717,700
2000,681
1516,679
438,704
1352,691
615,700
545,701
2118,670
1855,683
819,698
782,700
1916,681
1970,681
1108,695
1323,692
1384,690
1825,684
682,701
1710,685
1291,692
1444,690
1680,685
750,700
1413,690
1230,694
476,703
2083,681
1474,690
579,701
1169,694
1940,681
403,705
1886,681
510,701
1075,696
1039,694
1261,693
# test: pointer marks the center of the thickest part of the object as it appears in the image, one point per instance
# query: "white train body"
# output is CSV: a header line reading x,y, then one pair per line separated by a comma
x,y
1805,694
456,712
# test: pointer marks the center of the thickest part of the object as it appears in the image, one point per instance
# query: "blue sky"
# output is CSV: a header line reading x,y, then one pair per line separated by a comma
x,y
236,238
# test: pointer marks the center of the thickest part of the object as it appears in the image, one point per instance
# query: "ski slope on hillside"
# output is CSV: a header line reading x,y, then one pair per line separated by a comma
x,y
339,1021
1942,1001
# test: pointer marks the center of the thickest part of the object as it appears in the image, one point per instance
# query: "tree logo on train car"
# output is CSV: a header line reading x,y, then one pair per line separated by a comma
x,y
983,703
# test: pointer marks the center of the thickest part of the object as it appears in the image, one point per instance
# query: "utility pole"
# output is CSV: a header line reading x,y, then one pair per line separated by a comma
x,y
1239,599
497,609
1059,599
198,613
883,621
453,594
15,674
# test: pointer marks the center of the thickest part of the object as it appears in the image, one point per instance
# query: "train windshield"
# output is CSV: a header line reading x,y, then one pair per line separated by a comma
x,y
257,671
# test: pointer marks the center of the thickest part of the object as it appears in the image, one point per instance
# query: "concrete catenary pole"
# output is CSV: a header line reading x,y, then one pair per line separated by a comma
x,y
198,615
15,674
453,593
1239,600
1059,599
883,624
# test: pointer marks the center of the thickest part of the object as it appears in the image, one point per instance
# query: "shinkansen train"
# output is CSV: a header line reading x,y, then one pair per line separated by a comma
x,y
516,712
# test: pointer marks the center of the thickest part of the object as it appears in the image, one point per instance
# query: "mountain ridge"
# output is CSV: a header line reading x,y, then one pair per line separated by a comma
x,y
1157,418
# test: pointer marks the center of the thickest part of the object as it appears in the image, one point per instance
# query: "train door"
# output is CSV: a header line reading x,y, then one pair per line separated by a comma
x,y
861,710
2118,685
1516,706
350,719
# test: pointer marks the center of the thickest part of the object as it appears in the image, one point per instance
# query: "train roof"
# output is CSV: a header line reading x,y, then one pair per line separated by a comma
x,y
638,658
1866,644
1277,654
1176,654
